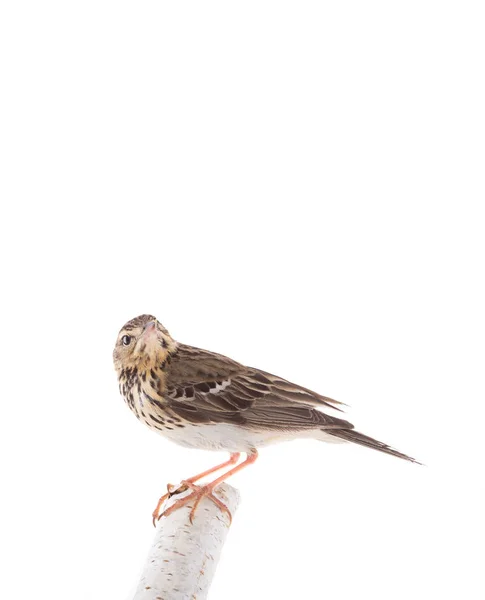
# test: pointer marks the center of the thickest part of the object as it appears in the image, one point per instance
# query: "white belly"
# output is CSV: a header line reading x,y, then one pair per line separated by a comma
x,y
224,437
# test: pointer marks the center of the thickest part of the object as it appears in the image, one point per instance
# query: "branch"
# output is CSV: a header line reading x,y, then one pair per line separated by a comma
x,y
183,557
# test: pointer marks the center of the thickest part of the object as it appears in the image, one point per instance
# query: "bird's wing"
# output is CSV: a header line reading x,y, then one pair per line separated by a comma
x,y
204,387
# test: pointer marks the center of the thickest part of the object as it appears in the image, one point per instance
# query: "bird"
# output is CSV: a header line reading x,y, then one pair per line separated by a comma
x,y
204,400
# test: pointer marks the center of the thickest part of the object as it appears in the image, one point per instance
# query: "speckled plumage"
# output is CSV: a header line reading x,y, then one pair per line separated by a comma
x,y
204,400
182,392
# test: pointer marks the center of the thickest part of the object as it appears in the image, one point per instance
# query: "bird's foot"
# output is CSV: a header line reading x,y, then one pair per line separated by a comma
x,y
171,490
198,492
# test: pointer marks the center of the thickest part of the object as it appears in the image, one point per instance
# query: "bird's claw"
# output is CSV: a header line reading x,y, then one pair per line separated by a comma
x,y
198,492
183,486
172,490
156,516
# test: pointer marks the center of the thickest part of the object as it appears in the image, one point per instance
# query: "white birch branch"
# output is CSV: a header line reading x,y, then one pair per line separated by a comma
x,y
184,556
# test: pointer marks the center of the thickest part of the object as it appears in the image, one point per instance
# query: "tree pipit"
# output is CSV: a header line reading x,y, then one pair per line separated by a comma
x,y
204,400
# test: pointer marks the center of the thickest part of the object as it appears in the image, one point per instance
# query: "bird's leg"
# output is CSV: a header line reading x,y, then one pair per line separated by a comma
x,y
232,460
207,490
188,483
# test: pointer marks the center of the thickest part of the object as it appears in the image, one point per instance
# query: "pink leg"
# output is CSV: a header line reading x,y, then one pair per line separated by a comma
x,y
234,457
207,490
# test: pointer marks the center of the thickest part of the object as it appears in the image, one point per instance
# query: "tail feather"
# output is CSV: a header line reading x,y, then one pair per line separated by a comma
x,y
351,435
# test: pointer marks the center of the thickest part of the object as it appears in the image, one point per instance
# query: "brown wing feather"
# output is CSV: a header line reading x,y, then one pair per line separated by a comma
x,y
364,440
205,387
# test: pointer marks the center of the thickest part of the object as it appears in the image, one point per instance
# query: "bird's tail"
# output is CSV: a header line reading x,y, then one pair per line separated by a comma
x,y
350,435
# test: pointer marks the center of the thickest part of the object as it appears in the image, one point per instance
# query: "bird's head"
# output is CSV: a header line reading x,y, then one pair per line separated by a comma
x,y
143,343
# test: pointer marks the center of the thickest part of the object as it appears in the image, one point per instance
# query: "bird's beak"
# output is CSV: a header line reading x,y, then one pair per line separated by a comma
x,y
150,329
148,339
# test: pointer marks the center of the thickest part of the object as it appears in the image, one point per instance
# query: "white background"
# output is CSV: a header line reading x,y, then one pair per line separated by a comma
x,y
297,185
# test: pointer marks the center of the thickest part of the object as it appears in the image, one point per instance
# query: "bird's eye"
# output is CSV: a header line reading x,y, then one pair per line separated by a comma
x,y
126,340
